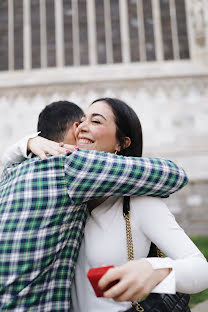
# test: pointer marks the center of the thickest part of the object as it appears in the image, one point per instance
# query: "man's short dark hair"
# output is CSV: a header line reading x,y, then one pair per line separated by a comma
x,y
56,118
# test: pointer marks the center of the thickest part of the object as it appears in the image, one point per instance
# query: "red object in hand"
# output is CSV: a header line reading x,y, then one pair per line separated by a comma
x,y
94,275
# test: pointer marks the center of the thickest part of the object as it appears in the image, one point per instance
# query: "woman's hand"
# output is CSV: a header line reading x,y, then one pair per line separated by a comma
x,y
41,146
136,279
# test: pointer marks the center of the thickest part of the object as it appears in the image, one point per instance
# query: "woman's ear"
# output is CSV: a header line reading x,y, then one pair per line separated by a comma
x,y
126,142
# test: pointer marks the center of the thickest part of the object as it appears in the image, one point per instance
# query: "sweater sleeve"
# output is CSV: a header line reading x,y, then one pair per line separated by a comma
x,y
92,174
17,152
190,268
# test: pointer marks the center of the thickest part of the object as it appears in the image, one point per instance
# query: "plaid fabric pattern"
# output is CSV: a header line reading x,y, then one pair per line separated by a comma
x,y
43,214
97,174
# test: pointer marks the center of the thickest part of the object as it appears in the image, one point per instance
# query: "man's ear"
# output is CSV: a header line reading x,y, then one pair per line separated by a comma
x,y
126,142
75,126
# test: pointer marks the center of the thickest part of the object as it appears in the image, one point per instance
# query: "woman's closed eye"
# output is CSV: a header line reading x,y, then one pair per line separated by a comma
x,y
96,121
93,121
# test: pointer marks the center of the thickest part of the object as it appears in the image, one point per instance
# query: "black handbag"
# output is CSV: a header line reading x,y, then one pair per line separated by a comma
x,y
162,303
154,302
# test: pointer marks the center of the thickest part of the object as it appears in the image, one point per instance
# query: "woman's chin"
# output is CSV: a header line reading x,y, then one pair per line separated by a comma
x,y
86,146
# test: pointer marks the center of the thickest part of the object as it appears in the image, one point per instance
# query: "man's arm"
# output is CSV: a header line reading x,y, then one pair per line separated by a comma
x,y
35,144
92,174
17,152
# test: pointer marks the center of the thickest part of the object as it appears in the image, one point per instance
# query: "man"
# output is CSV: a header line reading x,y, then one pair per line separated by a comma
x,y
55,122
43,212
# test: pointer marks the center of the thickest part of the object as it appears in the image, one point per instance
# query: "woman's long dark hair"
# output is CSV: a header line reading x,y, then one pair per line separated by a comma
x,y
127,125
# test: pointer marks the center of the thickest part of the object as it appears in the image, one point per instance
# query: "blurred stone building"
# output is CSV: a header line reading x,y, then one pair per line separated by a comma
x,y
153,54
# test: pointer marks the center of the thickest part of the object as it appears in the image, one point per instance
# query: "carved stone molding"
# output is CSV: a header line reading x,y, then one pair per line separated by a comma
x,y
199,23
170,87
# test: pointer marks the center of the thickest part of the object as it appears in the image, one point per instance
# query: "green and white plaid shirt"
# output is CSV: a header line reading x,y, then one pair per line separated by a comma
x,y
43,213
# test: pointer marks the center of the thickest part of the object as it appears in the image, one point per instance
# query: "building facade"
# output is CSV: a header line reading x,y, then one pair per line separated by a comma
x,y
153,54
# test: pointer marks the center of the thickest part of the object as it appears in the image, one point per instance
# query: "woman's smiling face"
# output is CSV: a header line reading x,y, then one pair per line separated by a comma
x,y
97,130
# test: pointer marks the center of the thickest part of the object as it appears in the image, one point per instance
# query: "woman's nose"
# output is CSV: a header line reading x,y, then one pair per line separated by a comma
x,y
83,126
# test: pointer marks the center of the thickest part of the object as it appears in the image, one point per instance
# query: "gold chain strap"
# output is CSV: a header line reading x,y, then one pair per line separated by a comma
x,y
130,250
160,254
138,307
129,239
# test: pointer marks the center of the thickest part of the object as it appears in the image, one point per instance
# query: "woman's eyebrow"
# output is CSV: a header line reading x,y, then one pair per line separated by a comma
x,y
95,115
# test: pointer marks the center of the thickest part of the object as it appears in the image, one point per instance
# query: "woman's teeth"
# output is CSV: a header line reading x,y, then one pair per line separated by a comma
x,y
85,141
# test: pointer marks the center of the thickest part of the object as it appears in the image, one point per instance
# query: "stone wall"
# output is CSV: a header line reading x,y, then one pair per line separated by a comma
x,y
170,97
190,207
173,113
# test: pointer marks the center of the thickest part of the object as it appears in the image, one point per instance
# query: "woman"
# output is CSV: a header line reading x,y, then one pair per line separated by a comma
x,y
111,125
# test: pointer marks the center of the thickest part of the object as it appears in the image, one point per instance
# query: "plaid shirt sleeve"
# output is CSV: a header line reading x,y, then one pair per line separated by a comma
x,y
92,174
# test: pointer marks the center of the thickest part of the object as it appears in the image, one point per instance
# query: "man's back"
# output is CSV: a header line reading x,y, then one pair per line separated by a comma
x,y
42,218
40,232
